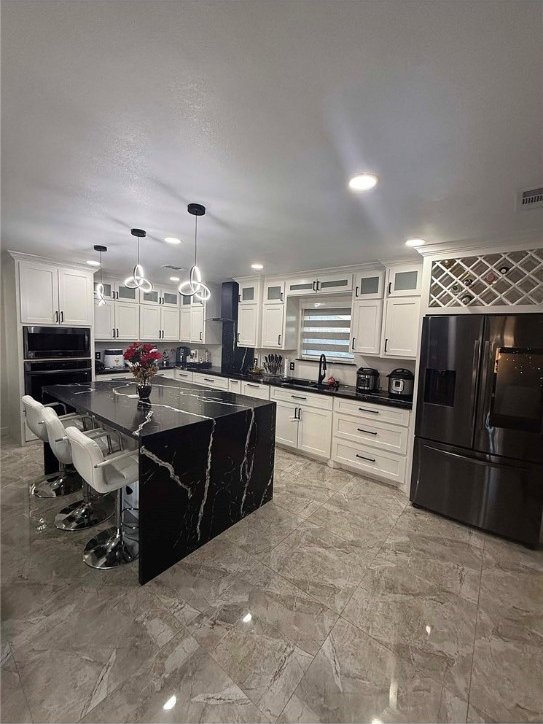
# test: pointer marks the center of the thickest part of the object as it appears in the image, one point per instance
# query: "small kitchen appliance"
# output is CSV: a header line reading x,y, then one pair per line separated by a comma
x,y
367,379
182,355
400,383
113,359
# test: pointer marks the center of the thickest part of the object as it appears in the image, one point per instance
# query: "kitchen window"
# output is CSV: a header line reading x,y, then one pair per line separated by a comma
x,y
326,328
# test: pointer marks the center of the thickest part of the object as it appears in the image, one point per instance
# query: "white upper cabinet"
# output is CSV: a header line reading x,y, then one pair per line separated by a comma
x,y
152,297
38,290
320,284
75,292
109,288
126,294
301,287
197,323
274,292
52,295
161,296
401,328
334,283
149,322
249,291
169,323
170,298
127,322
272,325
104,320
366,326
184,324
369,284
404,280
247,335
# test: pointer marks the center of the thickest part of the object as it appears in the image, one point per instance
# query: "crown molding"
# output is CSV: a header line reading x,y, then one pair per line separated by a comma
x,y
23,256
532,240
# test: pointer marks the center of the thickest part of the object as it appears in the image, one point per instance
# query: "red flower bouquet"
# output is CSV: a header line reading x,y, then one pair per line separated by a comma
x,y
142,360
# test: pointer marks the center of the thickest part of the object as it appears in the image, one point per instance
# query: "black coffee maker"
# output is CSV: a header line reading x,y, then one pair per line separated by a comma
x,y
182,355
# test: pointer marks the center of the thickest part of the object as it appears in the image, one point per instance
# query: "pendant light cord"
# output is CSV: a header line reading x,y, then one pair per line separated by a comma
x,y
195,239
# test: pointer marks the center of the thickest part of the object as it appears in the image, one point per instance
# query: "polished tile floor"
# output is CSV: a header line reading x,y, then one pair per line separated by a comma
x,y
336,602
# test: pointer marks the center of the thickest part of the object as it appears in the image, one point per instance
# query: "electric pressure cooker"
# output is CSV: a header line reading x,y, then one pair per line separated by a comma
x,y
400,383
367,379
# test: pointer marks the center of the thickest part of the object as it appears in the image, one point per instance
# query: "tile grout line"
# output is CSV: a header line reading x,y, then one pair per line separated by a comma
x,y
483,553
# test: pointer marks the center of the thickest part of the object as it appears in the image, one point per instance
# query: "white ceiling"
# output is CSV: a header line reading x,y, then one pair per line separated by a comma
x,y
117,113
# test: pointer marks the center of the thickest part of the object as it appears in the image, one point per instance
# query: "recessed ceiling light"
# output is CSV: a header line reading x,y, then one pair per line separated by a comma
x,y
258,267
172,240
91,262
174,279
415,242
363,182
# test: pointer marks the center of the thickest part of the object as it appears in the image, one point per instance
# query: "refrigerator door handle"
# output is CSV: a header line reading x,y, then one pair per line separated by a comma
x,y
477,461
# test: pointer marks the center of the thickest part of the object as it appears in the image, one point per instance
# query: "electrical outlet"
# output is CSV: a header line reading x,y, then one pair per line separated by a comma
x,y
97,355
291,366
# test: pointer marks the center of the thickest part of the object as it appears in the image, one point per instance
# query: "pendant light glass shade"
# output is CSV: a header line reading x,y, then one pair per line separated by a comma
x,y
138,280
194,286
99,288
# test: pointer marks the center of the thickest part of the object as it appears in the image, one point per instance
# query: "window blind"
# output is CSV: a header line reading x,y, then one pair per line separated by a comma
x,y
328,331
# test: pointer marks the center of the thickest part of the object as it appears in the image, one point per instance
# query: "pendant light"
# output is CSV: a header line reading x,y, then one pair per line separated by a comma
x,y
99,289
194,286
138,280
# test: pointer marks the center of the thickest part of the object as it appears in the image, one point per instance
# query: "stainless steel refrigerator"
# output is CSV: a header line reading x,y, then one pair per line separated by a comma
x,y
479,428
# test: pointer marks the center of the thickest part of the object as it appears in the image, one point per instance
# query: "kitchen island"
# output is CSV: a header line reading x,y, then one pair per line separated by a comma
x,y
206,459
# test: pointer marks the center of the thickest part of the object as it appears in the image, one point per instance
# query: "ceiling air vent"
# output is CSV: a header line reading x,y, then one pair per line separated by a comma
x,y
531,199
172,267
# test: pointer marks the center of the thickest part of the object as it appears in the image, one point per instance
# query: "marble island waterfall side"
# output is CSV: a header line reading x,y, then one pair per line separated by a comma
x,y
206,460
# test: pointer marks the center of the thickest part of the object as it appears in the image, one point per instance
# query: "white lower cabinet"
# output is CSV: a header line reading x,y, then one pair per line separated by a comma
x,y
314,430
286,424
219,383
401,328
183,375
234,386
254,389
370,459
371,438
168,374
303,421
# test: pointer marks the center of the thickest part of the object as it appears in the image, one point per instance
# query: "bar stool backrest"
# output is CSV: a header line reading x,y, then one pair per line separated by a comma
x,y
34,416
56,434
86,453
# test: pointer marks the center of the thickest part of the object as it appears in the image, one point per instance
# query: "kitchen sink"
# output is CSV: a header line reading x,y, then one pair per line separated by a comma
x,y
295,382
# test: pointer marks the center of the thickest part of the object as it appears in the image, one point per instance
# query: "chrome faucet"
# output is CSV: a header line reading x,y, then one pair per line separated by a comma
x,y
322,368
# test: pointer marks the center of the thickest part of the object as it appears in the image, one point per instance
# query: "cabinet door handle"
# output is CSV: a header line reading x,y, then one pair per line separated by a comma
x,y
297,397
278,339
386,343
117,333
373,412
237,338
56,316
389,287
201,333
314,285
113,330
61,317
281,296
369,432
356,292
352,345
362,457
239,298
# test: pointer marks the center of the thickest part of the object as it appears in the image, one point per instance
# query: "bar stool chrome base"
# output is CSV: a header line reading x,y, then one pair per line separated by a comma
x,y
110,549
84,514
62,483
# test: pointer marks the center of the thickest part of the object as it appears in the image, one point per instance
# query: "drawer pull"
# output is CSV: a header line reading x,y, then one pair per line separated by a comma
x,y
206,379
250,384
297,397
369,432
372,460
373,412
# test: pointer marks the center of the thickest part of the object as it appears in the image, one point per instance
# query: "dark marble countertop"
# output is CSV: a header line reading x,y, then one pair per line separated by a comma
x,y
346,391
173,404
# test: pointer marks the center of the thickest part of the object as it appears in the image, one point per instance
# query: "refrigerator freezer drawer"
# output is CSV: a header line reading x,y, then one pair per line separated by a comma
x,y
499,495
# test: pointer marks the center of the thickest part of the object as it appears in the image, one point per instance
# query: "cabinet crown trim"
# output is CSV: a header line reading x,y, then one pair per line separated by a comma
x,y
35,258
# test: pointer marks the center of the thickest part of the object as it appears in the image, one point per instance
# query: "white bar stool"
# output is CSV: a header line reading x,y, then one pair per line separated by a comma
x,y
110,548
55,484
89,511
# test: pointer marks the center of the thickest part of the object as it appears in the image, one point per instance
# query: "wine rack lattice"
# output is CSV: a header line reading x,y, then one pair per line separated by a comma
x,y
507,279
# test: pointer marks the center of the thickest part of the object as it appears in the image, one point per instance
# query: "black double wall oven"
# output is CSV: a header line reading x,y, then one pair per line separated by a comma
x,y
479,429
55,356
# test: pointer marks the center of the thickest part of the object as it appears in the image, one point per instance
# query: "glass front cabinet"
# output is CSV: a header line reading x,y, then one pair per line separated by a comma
x,y
369,284
404,280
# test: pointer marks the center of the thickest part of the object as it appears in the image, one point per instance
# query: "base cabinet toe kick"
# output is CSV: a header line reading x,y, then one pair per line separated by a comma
x,y
205,460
